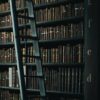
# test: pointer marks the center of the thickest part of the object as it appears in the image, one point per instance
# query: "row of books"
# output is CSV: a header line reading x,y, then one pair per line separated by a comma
x,y
48,33
13,77
61,31
59,54
60,12
47,14
21,4
64,79
9,77
4,78
6,20
63,54
7,95
6,6
6,37
7,55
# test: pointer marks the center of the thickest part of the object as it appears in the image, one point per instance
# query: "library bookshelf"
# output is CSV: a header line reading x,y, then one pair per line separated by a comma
x,y
60,27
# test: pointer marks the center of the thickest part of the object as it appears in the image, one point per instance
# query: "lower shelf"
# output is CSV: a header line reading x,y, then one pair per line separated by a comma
x,y
49,93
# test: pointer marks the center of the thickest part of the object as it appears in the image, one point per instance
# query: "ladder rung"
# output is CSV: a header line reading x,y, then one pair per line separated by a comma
x,y
35,76
28,0
38,96
29,37
26,17
31,56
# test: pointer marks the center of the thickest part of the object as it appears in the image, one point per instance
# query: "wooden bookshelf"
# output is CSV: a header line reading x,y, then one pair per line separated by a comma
x,y
61,36
60,27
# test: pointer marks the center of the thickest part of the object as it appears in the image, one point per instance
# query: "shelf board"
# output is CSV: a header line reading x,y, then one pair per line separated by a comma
x,y
59,93
4,13
51,43
49,65
73,19
55,4
9,28
48,43
4,65
5,28
6,45
3,1
11,44
9,88
49,93
65,94
55,65
52,4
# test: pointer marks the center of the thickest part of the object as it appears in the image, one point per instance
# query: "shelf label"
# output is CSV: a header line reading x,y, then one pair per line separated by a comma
x,y
89,52
89,78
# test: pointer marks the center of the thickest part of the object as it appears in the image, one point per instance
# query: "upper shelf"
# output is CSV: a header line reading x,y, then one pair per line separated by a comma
x,y
47,5
49,43
54,4
73,19
9,28
49,93
51,65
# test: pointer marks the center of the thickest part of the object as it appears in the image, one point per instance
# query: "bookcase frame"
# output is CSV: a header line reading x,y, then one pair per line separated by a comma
x,y
92,50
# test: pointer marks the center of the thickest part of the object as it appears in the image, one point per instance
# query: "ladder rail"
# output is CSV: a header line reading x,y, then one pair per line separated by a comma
x,y
17,49
17,42
38,62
